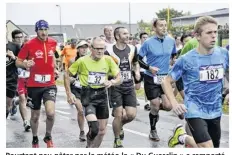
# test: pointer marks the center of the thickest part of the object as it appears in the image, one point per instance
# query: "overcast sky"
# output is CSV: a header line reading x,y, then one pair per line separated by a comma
x,y
95,13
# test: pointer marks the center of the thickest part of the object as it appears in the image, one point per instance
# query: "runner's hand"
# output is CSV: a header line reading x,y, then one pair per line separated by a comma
x,y
108,84
179,109
71,98
28,64
56,74
153,70
137,76
11,54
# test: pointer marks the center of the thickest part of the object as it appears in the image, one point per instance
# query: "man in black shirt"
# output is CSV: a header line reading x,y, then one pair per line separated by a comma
x,y
12,51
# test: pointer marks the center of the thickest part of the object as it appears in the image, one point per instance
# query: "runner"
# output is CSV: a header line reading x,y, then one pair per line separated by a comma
x,y
143,37
123,96
12,51
68,53
157,50
202,70
75,86
179,84
37,56
93,71
108,32
17,38
109,40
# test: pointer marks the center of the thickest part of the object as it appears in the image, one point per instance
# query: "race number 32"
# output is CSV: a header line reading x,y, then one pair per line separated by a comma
x,y
96,78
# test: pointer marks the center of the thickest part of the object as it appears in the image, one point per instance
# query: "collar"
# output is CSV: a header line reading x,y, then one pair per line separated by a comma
x,y
159,39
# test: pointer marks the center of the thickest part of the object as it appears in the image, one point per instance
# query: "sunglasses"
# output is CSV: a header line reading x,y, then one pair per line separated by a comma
x,y
18,37
98,49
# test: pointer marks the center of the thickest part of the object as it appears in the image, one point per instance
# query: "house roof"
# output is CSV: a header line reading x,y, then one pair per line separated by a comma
x,y
223,11
7,21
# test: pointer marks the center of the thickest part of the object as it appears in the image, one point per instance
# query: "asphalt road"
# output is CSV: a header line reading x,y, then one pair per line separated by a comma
x,y
65,132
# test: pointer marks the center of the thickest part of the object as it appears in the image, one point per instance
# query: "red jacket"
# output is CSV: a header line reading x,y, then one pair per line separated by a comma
x,y
42,73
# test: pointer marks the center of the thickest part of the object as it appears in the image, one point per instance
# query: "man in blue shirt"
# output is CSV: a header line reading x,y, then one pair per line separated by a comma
x,y
202,70
157,50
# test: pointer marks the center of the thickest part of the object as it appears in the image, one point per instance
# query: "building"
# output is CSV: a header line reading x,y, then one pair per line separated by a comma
x,y
68,29
221,15
11,27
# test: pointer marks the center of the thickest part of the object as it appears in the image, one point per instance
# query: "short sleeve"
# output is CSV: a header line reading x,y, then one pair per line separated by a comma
x,y
24,52
74,68
177,69
143,50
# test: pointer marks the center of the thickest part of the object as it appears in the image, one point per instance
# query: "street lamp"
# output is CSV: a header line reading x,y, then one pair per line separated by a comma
x,y
129,19
60,16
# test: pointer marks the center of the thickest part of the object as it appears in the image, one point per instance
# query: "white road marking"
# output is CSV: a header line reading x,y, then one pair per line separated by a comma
x,y
132,131
110,125
62,112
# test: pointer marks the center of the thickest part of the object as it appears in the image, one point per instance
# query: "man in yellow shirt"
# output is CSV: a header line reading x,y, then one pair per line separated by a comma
x,y
93,71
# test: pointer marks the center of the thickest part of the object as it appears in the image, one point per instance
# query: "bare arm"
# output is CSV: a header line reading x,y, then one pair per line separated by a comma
x,y
167,88
117,80
68,79
67,82
20,64
179,109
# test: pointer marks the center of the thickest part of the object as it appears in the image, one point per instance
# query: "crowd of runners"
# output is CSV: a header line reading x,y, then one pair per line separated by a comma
x,y
102,73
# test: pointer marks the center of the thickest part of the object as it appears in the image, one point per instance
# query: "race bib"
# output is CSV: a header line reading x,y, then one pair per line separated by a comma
x,y
42,78
77,83
213,73
126,75
24,74
159,78
96,78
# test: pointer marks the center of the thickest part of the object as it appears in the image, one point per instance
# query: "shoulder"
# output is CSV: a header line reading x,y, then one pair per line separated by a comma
x,y
170,39
220,50
107,58
132,47
31,42
51,40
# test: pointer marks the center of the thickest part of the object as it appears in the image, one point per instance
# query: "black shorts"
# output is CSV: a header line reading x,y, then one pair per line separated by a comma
x,y
76,91
152,90
205,129
11,89
36,94
121,97
141,77
179,85
95,102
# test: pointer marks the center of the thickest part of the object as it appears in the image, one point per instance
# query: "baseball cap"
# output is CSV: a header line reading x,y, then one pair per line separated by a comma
x,y
81,43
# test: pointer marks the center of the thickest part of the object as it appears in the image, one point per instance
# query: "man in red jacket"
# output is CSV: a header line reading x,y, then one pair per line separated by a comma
x,y
37,56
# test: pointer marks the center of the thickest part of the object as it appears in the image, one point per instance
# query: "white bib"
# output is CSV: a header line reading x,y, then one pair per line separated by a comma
x,y
77,83
24,74
96,78
158,79
126,75
212,73
42,78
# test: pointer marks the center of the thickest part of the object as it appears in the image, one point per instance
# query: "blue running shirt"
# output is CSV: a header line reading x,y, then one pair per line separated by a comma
x,y
202,77
158,53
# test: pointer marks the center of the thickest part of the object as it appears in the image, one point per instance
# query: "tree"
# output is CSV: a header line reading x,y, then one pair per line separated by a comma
x,y
187,13
172,14
120,22
145,27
